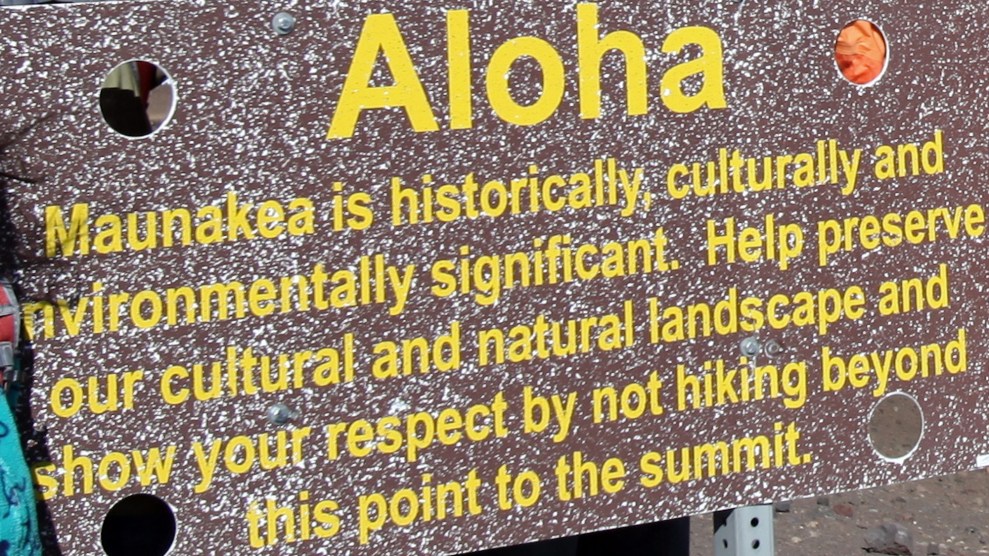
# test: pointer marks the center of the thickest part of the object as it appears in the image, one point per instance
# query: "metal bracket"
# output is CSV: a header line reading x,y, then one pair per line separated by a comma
x,y
744,531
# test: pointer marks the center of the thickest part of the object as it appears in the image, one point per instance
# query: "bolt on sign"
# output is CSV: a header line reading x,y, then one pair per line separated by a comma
x,y
410,278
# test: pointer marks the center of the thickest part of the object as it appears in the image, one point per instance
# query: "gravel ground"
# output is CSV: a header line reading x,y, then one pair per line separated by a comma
x,y
946,516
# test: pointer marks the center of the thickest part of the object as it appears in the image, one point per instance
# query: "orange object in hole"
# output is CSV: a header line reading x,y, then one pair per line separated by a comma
x,y
860,52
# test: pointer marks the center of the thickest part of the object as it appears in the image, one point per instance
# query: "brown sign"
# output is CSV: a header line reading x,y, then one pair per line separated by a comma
x,y
395,278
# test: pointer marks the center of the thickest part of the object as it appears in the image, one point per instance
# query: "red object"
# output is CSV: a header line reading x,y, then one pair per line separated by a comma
x,y
860,52
10,328
8,322
147,77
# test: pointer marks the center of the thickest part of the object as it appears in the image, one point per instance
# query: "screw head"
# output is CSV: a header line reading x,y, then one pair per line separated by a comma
x,y
750,346
772,348
283,23
279,414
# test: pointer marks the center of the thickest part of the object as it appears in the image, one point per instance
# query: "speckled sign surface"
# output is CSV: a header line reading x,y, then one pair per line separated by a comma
x,y
513,270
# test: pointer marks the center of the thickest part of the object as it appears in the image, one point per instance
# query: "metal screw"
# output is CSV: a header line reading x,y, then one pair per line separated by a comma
x,y
283,23
750,346
279,414
772,348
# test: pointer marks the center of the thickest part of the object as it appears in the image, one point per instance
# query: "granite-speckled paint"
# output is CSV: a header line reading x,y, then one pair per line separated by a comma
x,y
252,113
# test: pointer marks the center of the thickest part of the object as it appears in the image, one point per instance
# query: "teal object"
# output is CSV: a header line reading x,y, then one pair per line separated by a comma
x,y
18,515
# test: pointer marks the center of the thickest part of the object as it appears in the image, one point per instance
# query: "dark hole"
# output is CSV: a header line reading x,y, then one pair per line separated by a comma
x,y
756,544
137,98
755,522
139,525
725,541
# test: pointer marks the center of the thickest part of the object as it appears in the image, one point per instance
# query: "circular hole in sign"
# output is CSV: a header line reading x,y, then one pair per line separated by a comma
x,y
137,98
861,52
139,524
896,426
